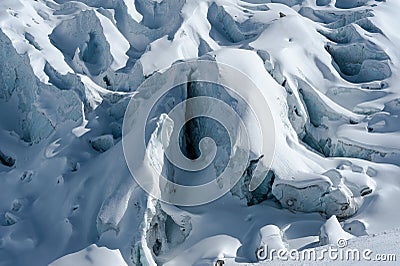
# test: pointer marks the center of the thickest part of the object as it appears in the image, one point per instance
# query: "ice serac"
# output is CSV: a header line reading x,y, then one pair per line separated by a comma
x,y
269,237
31,102
114,208
225,24
87,49
328,70
162,231
332,233
164,226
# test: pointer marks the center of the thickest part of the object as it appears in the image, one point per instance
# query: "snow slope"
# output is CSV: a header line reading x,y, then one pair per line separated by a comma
x,y
327,69
380,249
92,255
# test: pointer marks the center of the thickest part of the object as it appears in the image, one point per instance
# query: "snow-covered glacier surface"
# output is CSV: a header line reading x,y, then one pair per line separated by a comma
x,y
327,71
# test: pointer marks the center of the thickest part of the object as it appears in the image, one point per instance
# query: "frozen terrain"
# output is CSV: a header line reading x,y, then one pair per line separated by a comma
x,y
328,71
379,248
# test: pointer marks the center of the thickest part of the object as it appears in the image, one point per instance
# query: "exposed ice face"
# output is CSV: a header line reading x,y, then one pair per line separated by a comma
x,y
34,115
328,70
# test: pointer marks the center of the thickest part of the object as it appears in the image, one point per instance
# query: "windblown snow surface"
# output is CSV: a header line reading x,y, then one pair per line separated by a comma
x,y
329,71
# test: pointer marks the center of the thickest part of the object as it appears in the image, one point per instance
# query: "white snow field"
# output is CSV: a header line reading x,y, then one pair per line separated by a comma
x,y
326,71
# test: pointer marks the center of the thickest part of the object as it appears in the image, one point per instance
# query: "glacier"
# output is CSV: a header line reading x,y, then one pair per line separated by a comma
x,y
325,71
